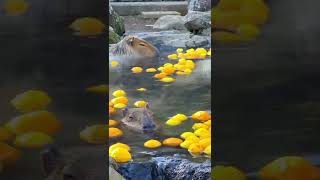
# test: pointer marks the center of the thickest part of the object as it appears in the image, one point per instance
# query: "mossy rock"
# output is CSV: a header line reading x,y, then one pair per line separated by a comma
x,y
113,37
116,21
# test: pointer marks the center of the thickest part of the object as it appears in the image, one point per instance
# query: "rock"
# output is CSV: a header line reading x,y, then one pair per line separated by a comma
x,y
206,32
199,5
182,169
139,171
114,175
170,22
197,41
116,21
166,40
113,37
196,21
166,167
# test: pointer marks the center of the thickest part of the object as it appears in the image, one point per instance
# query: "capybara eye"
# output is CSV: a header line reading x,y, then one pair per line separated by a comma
x,y
142,44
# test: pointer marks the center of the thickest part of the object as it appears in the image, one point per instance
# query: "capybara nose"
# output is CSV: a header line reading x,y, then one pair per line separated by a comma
x,y
148,127
148,124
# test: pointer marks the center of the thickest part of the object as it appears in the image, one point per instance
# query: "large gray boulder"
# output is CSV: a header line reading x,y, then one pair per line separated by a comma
x,y
170,22
116,21
196,21
199,5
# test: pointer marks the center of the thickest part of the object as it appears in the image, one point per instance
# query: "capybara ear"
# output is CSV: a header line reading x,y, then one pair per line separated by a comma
x,y
147,106
130,40
50,158
125,112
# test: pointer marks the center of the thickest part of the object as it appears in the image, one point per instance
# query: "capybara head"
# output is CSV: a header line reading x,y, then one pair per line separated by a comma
x,y
140,119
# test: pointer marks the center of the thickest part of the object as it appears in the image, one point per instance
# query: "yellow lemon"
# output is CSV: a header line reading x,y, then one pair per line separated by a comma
x,y
199,125
201,51
122,100
190,50
31,100
173,142
140,104
180,117
193,138
172,56
114,63
181,55
182,73
202,132
208,123
209,52
95,134
201,116
160,75
114,132
116,145
136,70
113,122
173,122
111,110
87,26
185,144
16,7
190,64
151,70
40,121
141,89
121,155
179,50
8,154
119,105
101,89
167,79
195,149
33,140
119,93
168,70
152,143
186,134
227,172
207,150
205,142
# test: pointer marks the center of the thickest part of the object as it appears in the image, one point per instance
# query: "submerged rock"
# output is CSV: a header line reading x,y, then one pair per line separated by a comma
x,y
196,21
170,22
116,21
165,168
199,5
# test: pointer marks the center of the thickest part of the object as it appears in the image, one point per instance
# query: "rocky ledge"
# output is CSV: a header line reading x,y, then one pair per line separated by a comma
x,y
165,168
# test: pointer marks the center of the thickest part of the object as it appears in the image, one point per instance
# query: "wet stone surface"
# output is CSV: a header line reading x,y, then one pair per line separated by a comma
x,y
165,168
